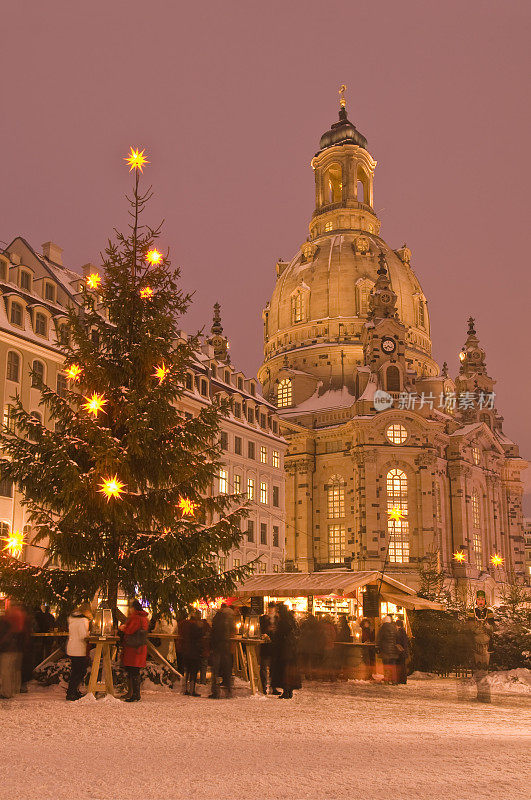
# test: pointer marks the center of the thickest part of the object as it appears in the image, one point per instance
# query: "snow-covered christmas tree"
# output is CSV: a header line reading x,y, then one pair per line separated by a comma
x,y
120,488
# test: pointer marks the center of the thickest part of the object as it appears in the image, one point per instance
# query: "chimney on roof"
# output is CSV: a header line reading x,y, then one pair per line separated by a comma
x,y
53,252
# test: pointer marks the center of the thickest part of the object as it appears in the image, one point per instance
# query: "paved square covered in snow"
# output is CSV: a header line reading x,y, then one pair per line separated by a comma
x,y
423,741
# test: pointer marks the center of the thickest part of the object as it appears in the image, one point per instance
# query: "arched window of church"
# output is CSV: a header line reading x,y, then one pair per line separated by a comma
x,y
335,498
334,184
438,502
477,544
421,314
397,511
336,544
363,294
362,186
296,307
284,394
392,379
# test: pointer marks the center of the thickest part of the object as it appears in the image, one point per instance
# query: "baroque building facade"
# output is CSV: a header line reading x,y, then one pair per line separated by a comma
x,y
36,292
389,459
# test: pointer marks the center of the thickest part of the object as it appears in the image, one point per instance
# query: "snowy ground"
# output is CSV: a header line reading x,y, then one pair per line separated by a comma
x,y
424,741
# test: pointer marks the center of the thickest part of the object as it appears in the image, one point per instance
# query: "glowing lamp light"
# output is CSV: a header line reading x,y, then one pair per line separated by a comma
x,y
161,372
459,556
136,159
153,257
496,560
187,507
73,372
94,404
14,543
112,487
93,280
146,292
396,514
462,356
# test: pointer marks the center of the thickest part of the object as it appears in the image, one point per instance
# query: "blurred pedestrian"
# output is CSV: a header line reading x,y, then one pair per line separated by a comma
x,y
223,629
267,624
285,652
134,653
368,653
77,648
329,655
13,629
386,641
192,645
27,652
402,643
205,651
45,623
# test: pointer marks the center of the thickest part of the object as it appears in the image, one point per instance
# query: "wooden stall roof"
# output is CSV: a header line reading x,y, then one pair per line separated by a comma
x,y
340,582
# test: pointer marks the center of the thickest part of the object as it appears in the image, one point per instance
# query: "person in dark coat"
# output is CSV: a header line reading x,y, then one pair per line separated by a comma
x,y
134,653
192,647
402,643
13,632
44,623
223,628
368,653
267,625
205,651
386,642
284,646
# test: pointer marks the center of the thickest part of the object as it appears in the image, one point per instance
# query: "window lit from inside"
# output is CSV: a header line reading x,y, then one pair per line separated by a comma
x,y
336,544
397,523
477,544
336,498
284,395
223,481
396,433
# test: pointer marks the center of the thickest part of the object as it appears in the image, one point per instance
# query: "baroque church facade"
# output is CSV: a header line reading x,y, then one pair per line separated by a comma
x,y
389,459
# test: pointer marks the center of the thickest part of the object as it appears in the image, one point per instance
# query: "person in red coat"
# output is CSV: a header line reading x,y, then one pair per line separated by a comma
x,y
134,653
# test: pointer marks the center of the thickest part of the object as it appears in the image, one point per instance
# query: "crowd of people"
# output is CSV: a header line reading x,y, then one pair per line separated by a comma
x,y
289,648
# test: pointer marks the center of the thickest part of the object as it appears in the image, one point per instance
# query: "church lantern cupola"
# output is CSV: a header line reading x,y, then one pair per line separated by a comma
x,y
344,177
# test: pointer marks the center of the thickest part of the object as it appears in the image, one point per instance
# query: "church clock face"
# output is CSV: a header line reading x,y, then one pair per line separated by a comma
x,y
388,345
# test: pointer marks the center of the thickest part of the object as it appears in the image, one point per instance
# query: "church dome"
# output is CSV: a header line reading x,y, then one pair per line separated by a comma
x,y
342,131
319,309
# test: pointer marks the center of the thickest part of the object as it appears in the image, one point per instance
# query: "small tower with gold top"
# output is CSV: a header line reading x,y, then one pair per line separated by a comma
x,y
218,341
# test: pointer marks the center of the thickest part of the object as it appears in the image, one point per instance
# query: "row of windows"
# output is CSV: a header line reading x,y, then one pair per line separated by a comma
x,y
263,534
263,451
14,369
250,488
40,320
25,281
226,376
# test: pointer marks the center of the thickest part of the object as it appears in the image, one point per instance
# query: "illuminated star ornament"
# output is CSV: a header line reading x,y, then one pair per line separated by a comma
x,y
161,372
154,257
146,292
187,507
395,514
94,404
73,372
496,560
93,280
112,487
459,556
14,543
136,159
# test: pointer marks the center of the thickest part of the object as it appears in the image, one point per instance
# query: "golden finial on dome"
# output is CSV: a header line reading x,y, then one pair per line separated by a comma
x,y
342,90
